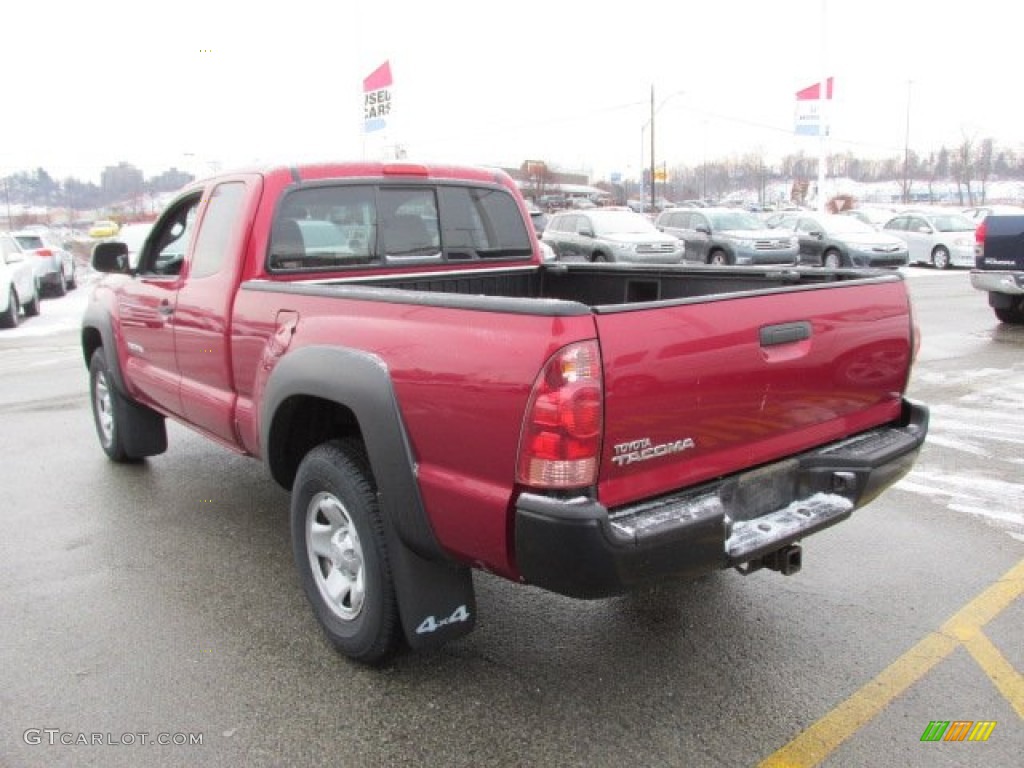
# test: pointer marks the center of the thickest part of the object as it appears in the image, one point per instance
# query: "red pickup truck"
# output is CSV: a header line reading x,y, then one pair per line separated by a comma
x,y
389,341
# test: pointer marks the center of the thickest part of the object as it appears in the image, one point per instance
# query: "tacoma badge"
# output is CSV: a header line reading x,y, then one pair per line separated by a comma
x,y
644,450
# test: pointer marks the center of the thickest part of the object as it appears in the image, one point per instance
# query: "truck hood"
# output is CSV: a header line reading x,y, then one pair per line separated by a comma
x,y
708,388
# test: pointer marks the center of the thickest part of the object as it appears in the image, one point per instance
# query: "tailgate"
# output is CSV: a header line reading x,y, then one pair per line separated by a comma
x,y
700,390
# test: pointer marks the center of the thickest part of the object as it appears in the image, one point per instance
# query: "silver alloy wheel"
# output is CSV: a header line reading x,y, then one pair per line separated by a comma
x,y
104,406
335,556
940,258
832,260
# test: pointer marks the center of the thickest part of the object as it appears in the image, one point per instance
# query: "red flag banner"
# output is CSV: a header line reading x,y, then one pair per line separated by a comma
x,y
808,109
377,98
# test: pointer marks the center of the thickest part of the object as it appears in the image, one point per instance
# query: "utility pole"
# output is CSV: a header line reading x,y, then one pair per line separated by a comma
x,y
653,184
906,151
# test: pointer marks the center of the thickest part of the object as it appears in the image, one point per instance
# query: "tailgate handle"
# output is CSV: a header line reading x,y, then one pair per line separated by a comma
x,y
785,333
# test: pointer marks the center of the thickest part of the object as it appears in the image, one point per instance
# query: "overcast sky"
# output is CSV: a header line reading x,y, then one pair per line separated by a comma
x,y
194,84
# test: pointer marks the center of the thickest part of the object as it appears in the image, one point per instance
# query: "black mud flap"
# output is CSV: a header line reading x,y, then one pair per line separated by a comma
x,y
436,600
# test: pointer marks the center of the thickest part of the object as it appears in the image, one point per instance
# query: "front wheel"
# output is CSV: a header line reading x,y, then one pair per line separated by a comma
x,y
719,259
339,546
32,305
1010,315
600,257
940,258
9,319
832,260
127,430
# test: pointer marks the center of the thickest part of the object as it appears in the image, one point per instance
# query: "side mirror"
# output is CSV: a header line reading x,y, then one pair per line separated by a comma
x,y
111,257
703,230
586,232
817,234
925,230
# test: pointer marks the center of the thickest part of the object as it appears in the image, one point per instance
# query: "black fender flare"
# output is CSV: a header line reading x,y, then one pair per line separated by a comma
x,y
429,585
97,319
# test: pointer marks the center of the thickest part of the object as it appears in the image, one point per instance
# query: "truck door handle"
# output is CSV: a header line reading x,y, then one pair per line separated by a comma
x,y
165,309
785,333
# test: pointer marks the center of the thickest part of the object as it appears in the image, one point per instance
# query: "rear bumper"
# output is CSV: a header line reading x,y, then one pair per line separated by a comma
x,y
578,547
1011,283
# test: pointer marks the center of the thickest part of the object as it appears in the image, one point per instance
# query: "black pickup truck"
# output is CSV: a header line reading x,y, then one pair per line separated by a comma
x,y
999,266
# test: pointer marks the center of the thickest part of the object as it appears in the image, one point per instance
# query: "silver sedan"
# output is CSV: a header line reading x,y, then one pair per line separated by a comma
x,y
942,239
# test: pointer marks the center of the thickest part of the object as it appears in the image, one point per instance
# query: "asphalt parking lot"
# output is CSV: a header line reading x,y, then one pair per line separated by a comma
x,y
160,600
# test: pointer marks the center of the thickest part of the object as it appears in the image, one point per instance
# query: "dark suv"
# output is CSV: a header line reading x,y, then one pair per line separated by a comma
x,y
728,236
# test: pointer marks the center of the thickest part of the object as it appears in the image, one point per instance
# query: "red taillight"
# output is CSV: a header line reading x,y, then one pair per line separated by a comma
x,y
561,439
979,240
44,252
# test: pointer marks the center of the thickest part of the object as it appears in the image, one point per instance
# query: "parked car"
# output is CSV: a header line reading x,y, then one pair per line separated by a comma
x,y
103,228
611,235
833,240
875,216
942,239
54,266
19,286
539,218
727,236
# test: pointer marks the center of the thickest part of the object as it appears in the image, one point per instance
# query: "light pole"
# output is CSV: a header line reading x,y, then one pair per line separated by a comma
x,y
644,128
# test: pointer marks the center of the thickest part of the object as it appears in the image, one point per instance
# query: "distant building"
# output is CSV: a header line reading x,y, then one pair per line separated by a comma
x,y
121,181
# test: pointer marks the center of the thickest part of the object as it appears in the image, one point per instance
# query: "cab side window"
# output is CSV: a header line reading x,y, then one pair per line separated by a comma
x,y
213,241
168,245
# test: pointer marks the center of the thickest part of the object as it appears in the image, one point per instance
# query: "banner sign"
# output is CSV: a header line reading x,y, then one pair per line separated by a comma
x,y
808,109
377,98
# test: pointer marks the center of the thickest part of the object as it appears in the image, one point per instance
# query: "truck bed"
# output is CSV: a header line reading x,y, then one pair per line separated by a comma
x,y
602,288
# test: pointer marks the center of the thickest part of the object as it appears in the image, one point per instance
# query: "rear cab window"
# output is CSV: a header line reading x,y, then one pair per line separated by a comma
x,y
335,226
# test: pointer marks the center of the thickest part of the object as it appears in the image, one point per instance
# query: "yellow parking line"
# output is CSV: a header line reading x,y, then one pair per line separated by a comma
x,y
1007,679
823,737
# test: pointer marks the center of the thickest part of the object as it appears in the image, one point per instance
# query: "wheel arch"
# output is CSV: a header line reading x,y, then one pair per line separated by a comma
x,y
98,331
316,394
320,393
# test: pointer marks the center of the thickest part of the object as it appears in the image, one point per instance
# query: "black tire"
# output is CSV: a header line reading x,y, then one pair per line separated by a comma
x,y
339,545
832,260
31,307
600,257
9,319
940,257
60,288
126,430
1010,315
73,279
719,258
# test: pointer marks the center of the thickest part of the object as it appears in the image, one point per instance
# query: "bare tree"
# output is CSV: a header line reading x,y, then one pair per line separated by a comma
x,y
983,166
962,168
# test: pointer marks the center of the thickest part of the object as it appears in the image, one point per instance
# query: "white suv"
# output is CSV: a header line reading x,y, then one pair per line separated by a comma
x,y
610,234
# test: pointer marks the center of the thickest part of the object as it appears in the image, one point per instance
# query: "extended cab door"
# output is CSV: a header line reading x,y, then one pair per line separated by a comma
x,y
147,304
205,297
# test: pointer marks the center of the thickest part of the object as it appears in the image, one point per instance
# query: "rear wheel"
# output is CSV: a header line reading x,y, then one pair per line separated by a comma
x,y
832,260
339,546
718,258
60,288
72,279
940,257
9,319
600,257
